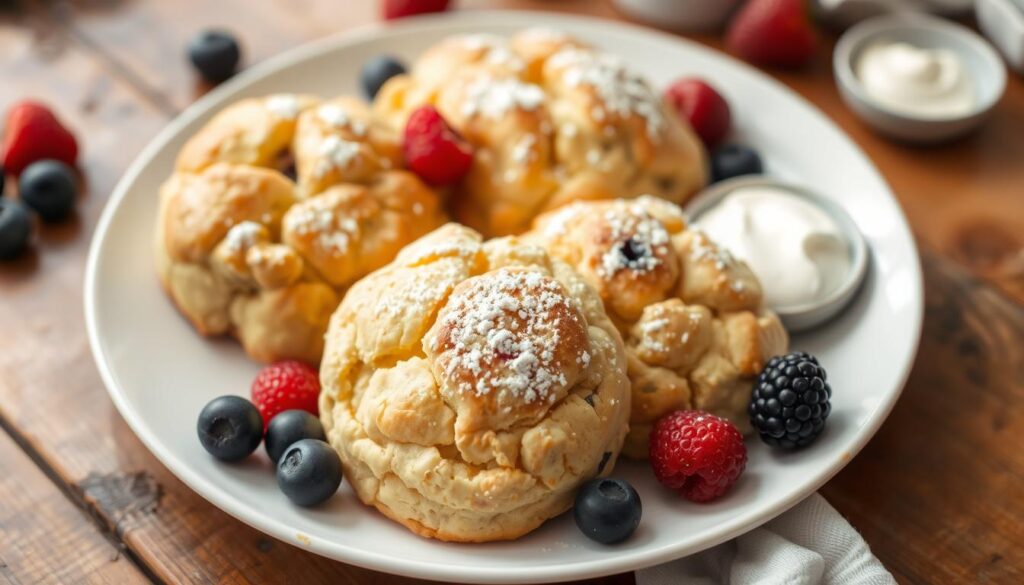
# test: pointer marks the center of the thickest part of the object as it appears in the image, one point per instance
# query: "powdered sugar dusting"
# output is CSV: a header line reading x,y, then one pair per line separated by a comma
x,y
333,234
621,91
337,117
522,152
638,241
504,335
494,98
242,236
283,105
496,50
336,153
703,250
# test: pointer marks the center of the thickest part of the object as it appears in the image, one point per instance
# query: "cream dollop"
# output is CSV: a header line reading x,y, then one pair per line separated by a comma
x,y
794,247
915,80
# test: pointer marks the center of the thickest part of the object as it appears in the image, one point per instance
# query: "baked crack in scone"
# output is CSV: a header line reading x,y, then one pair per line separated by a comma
x,y
691,315
551,121
276,206
470,387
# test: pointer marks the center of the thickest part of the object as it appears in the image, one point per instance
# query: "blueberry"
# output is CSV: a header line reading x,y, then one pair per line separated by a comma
x,y
15,228
215,54
607,510
309,472
733,160
378,70
230,428
287,428
48,187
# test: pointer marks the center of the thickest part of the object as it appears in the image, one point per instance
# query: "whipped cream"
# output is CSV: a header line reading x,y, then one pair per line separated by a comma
x,y
796,249
916,80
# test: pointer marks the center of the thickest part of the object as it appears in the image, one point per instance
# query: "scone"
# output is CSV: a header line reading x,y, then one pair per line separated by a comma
x,y
275,208
551,121
691,315
470,387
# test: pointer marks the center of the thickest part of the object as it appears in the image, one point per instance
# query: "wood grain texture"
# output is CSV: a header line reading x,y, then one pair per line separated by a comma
x,y
937,493
36,519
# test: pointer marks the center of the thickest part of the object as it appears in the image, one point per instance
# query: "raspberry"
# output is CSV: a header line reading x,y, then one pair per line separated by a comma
x,y
402,8
33,133
433,150
284,386
705,109
791,401
697,454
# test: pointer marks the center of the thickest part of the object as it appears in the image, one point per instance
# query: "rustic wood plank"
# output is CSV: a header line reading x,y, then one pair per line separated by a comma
x,y
113,69
36,519
937,493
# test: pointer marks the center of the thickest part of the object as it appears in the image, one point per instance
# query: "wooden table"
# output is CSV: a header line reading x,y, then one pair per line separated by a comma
x,y
938,493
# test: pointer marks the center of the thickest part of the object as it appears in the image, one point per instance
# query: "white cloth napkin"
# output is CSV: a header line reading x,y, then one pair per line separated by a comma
x,y
808,545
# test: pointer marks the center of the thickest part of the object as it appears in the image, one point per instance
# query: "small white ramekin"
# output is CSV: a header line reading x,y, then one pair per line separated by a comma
x,y
801,317
988,74
692,15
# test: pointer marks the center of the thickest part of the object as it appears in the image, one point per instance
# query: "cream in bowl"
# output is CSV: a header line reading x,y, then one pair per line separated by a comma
x,y
918,78
919,81
808,254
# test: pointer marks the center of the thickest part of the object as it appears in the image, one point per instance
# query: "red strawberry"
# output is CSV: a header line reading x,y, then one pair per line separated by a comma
x,y
697,454
33,133
433,150
773,32
284,386
706,110
400,8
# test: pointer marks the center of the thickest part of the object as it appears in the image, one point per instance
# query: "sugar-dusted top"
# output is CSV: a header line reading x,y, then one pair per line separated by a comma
x,y
513,335
620,91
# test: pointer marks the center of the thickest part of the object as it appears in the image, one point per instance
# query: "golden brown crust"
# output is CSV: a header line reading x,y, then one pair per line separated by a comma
x,y
244,251
470,387
690,314
551,122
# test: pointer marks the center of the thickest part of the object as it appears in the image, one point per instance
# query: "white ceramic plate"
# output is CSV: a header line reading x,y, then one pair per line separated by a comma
x,y
160,373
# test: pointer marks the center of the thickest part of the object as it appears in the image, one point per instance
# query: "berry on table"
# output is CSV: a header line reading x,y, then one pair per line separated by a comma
x,y
705,109
400,8
230,428
607,510
288,427
15,229
697,454
377,71
48,188
33,133
734,160
433,150
215,54
286,385
773,32
309,472
791,401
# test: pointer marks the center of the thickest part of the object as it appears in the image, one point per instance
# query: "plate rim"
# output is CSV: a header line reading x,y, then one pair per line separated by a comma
x,y
390,563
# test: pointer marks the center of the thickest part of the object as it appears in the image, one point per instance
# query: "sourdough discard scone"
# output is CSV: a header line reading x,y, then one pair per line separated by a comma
x,y
691,315
275,208
551,121
470,387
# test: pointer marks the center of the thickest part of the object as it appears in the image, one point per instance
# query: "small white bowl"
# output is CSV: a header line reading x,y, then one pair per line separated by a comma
x,y
692,15
1002,21
980,60
801,317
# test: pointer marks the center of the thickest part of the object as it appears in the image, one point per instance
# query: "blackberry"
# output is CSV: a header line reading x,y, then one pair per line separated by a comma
x,y
790,401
